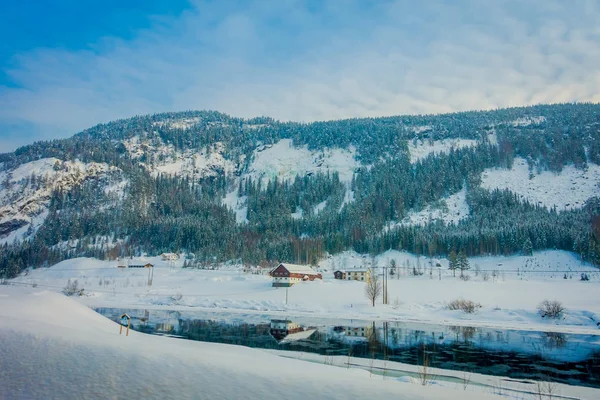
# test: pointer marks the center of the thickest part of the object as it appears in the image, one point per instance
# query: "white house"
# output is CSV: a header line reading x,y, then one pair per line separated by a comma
x,y
169,256
358,275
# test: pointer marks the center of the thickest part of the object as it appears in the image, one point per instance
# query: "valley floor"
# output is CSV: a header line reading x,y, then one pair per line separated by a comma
x,y
55,348
509,297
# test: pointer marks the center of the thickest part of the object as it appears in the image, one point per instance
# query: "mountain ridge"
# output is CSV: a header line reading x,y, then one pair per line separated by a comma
x,y
261,190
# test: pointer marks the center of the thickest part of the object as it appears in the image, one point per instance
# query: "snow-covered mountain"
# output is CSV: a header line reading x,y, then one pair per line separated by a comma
x,y
261,189
27,191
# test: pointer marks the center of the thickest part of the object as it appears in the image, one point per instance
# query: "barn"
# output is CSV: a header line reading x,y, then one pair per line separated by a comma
x,y
285,275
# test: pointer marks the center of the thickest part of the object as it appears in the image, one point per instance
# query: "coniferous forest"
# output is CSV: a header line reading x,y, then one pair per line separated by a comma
x,y
164,213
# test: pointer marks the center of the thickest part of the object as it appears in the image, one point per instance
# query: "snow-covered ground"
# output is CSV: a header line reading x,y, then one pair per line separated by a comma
x,y
571,188
238,204
54,348
455,210
422,148
285,161
509,290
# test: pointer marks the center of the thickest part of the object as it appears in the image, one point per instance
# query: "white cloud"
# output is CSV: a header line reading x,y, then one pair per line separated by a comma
x,y
296,63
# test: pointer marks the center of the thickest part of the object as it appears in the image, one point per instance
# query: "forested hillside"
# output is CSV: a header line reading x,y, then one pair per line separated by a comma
x,y
258,190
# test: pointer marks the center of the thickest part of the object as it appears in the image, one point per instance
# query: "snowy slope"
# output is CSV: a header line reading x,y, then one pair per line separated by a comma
x,y
161,158
179,123
453,210
54,348
26,190
528,121
238,205
566,190
420,149
285,161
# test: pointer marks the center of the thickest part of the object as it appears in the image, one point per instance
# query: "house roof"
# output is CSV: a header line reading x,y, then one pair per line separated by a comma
x,y
356,270
299,269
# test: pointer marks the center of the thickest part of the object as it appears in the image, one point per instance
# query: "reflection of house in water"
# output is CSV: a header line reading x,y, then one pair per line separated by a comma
x,y
168,321
355,331
164,327
288,331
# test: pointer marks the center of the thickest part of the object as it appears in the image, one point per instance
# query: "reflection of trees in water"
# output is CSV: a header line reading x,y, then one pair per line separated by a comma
x,y
466,333
554,340
402,344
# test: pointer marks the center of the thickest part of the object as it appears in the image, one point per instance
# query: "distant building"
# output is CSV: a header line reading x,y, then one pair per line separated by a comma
x,y
148,265
339,274
285,275
169,256
358,275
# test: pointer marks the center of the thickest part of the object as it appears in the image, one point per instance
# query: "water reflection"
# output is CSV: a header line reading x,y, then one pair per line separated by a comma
x,y
284,331
559,357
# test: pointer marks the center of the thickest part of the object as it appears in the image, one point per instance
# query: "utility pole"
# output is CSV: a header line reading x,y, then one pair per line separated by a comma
x,y
385,285
286,295
150,275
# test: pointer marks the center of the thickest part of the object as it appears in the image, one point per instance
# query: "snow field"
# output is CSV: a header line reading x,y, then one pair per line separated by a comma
x,y
53,347
509,297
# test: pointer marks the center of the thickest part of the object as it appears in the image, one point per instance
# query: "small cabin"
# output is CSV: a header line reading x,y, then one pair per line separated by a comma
x,y
286,275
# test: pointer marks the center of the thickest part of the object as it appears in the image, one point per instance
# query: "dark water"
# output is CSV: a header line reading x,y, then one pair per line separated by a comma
x,y
566,358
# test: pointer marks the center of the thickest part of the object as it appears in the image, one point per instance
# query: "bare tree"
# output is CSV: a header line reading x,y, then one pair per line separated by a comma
x,y
373,288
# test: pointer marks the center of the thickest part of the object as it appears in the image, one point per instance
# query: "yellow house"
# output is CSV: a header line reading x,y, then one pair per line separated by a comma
x,y
363,275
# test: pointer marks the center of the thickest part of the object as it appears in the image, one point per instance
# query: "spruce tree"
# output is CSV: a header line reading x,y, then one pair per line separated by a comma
x,y
453,262
463,262
528,247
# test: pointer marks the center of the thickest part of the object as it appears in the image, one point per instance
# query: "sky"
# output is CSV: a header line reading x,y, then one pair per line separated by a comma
x,y
66,65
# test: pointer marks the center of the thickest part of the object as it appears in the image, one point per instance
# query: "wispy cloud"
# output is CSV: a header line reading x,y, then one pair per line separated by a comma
x,y
294,60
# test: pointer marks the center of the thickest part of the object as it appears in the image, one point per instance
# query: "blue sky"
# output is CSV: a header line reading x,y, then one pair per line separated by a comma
x,y
66,65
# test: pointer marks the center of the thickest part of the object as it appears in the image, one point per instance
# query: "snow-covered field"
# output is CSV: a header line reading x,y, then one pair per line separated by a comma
x,y
509,290
571,188
54,348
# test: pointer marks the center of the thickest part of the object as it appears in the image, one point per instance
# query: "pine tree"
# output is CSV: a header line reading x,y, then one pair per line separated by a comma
x,y
528,247
463,262
453,262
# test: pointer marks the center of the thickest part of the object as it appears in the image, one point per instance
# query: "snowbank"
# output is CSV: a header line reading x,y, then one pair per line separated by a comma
x,y
53,347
